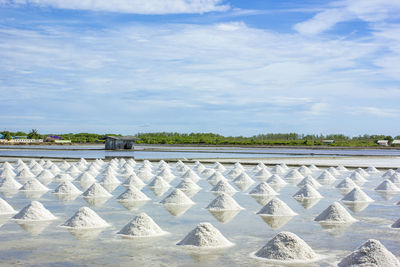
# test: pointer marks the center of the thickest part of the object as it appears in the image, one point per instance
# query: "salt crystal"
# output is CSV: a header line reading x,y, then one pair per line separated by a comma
x,y
357,195
308,191
205,235
67,188
335,214
223,202
85,218
276,207
177,197
96,190
141,226
35,211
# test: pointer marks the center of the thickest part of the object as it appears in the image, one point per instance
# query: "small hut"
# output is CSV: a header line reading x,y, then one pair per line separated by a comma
x,y
119,142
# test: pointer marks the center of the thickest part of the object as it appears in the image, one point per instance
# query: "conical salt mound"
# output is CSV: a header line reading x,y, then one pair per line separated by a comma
x,y
287,246
357,178
395,178
159,182
25,174
312,167
45,175
341,168
371,253
333,171
223,187
191,175
396,224
276,207
141,226
166,174
276,180
67,188
61,177
135,181
96,190
387,186
133,194
216,178
263,189
219,167
346,184
278,170
85,218
263,174
372,169
335,214
177,197
7,173
205,236
188,185
388,173
223,202
109,179
362,172
234,172
294,175
243,178
307,192
357,195
35,211
86,178
33,185
309,180
9,183
304,170
6,208
326,177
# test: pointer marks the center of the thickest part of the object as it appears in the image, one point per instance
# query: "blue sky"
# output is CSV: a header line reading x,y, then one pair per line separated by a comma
x,y
229,67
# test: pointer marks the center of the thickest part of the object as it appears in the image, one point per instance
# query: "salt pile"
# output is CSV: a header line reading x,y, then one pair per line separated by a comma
x,y
312,167
387,186
395,178
64,165
110,179
96,190
263,189
45,176
234,172
73,170
67,188
263,174
362,172
205,235
294,175
326,178
223,187
219,167
6,208
333,171
278,170
287,247
33,185
371,253
357,178
177,197
341,168
243,178
188,185
276,180
35,211
223,202
141,226
145,174
167,175
304,170
135,181
54,169
357,195
207,172
388,173
396,224
159,182
25,174
307,192
309,180
346,184
61,177
372,169
284,166
7,173
276,207
86,178
132,194
85,218
9,183
335,214
215,178
189,174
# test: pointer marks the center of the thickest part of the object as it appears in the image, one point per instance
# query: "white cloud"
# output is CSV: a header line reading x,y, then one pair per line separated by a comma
x,y
375,111
130,6
347,10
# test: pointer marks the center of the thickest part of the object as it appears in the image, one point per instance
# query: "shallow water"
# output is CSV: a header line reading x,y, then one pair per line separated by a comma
x,y
49,245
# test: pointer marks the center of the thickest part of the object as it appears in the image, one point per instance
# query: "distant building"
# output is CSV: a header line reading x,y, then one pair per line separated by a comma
x,y
383,142
119,142
52,138
328,142
396,142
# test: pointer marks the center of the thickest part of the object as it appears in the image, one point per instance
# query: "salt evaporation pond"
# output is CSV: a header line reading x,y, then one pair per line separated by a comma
x,y
46,243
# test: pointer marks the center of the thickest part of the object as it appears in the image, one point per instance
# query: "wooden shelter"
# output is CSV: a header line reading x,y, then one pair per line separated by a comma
x,y
119,142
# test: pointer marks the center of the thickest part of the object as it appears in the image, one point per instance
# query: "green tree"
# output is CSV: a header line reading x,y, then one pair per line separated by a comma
x,y
34,134
7,135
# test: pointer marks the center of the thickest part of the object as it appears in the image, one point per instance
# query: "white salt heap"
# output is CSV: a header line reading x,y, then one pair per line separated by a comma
x,y
304,170
276,207
372,254
135,181
177,197
54,169
387,186
9,183
85,218
396,224
335,214
219,167
234,172
341,168
159,182
145,175
372,169
278,170
223,202
96,190
395,178
357,195
141,226
276,180
73,170
25,174
205,235
312,167
346,184
207,172
263,189
287,247
309,180
294,175
61,177
189,174
188,185
357,178
33,185
362,172
263,174
243,178
216,178
307,192
388,173
67,188
326,177
86,178
7,173
110,179
45,176
6,208
35,211
333,171
223,187
132,194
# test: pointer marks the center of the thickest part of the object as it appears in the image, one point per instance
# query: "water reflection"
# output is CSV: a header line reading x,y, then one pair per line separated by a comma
x,y
276,222
33,194
159,191
262,200
34,228
110,187
308,203
335,230
356,206
132,205
387,195
177,210
243,186
224,216
96,201
66,197
85,234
